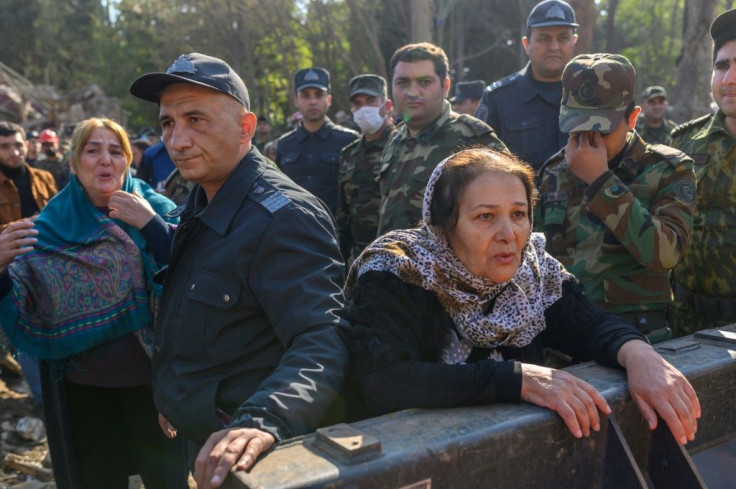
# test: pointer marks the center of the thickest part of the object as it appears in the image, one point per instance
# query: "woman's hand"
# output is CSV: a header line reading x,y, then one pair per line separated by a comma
x,y
659,388
130,208
16,239
576,401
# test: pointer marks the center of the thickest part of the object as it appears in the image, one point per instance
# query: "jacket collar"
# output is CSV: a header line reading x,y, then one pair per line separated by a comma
x,y
323,132
528,89
219,213
426,134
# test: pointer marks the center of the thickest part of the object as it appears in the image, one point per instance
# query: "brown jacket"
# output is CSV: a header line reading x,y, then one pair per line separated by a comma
x,y
43,188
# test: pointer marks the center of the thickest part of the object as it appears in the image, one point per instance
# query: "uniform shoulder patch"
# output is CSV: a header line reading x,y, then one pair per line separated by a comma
x,y
673,155
505,81
269,197
695,123
287,135
349,147
476,125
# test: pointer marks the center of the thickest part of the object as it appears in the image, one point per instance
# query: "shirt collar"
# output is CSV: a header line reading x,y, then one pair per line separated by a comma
x,y
323,132
715,125
219,213
426,134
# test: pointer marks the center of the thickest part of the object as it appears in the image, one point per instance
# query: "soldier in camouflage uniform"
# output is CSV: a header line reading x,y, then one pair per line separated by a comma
x,y
652,125
616,211
429,133
705,279
359,195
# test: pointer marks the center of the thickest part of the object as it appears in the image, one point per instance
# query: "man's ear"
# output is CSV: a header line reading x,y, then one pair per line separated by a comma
x,y
446,86
525,43
632,117
248,125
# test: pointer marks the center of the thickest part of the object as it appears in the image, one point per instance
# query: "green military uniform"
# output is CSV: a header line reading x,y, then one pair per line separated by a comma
x,y
359,195
655,135
408,162
705,279
621,235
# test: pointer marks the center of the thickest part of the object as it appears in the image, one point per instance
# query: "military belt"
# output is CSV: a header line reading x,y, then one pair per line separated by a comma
x,y
651,323
706,306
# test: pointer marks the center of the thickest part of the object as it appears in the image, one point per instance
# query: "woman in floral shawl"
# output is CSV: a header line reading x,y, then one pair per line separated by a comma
x,y
78,293
457,312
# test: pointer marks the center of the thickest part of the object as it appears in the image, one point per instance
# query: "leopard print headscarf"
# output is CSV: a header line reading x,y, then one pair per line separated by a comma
x,y
422,257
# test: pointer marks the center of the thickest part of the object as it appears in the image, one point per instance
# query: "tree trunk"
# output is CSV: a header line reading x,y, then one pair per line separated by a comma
x,y
586,15
611,39
421,20
692,92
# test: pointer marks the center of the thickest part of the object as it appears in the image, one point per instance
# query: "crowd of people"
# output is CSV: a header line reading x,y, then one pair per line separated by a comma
x,y
201,296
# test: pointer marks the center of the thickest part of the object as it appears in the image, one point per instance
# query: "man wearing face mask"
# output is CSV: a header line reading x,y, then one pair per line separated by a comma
x,y
359,195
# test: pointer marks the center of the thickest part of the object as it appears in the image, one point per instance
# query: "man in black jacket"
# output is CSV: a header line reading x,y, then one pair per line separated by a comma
x,y
248,346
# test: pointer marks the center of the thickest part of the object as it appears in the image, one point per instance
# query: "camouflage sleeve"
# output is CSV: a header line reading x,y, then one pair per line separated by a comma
x,y
655,234
342,219
492,141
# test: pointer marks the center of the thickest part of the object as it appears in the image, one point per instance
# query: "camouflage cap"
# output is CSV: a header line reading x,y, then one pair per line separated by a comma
x,y
468,90
551,13
312,77
653,91
373,85
596,88
723,29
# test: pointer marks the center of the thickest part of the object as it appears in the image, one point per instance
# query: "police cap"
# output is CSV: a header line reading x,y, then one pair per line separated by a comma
x,y
312,77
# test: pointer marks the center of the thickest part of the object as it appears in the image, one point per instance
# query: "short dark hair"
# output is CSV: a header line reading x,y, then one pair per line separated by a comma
x,y
422,51
629,109
10,128
462,169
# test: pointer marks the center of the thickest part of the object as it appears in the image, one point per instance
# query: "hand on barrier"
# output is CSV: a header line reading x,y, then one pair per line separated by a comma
x,y
576,401
658,388
225,449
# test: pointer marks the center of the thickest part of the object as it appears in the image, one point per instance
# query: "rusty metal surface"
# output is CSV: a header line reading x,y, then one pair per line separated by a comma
x,y
522,446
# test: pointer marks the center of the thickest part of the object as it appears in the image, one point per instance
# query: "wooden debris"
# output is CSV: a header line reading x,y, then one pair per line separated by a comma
x,y
15,462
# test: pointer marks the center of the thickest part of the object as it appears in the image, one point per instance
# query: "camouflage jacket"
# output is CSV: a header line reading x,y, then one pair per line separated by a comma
x,y
408,161
709,266
655,135
621,235
359,196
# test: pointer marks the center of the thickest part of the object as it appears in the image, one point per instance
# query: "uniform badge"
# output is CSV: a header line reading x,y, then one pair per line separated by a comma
x,y
311,76
182,65
685,192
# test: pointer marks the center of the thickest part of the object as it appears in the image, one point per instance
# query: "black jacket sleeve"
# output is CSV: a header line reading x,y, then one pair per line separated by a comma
x,y
576,326
396,342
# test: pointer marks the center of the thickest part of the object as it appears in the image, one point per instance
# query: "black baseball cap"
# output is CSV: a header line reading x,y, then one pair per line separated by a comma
x,y
723,29
551,13
468,90
373,85
312,77
198,69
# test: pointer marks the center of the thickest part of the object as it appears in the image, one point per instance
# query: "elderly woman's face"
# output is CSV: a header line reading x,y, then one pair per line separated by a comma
x,y
492,227
101,167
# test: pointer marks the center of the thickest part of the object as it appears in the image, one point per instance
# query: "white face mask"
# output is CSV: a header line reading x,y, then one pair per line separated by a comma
x,y
369,119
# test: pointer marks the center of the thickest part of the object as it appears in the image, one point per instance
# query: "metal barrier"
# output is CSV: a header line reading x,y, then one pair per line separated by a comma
x,y
525,446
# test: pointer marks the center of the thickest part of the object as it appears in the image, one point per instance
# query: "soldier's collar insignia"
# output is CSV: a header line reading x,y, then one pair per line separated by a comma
x,y
182,65
311,76
555,12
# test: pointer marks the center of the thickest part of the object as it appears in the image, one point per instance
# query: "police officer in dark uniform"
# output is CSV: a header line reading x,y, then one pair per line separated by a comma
x,y
524,108
310,154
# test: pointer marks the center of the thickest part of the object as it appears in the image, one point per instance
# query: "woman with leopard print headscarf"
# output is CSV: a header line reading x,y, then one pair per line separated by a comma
x,y
457,312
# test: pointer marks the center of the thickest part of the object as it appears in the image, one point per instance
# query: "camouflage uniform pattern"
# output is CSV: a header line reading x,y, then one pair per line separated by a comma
x,y
620,238
655,135
359,195
176,188
709,265
596,88
408,162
